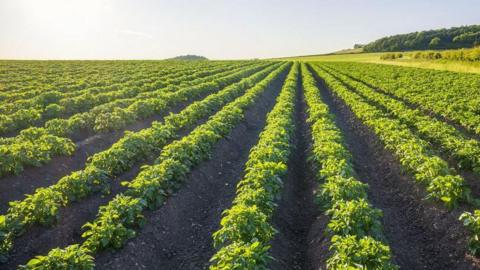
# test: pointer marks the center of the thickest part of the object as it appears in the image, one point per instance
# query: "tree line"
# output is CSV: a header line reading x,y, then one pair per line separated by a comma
x,y
451,38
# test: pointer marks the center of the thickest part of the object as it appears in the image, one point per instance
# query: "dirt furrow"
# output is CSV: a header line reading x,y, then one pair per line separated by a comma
x,y
467,133
296,210
471,179
15,186
422,235
179,234
40,239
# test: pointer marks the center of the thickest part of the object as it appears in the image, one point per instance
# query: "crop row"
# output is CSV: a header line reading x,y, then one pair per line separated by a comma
x,y
450,140
414,153
23,98
117,221
100,75
53,104
42,94
42,207
23,76
354,225
453,95
245,231
36,146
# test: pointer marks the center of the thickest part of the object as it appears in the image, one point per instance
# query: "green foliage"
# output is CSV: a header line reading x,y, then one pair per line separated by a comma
x,y
116,222
434,43
472,55
391,56
361,253
245,232
53,111
355,217
414,153
245,224
240,256
121,156
455,37
340,188
354,224
105,112
447,189
72,258
472,222
189,57
41,208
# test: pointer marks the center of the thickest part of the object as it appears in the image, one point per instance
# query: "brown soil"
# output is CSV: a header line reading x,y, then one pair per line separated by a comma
x,y
39,240
179,234
422,235
466,132
318,244
471,179
14,187
296,210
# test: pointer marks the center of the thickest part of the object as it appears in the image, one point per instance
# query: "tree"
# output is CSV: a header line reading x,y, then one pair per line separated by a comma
x,y
451,38
434,43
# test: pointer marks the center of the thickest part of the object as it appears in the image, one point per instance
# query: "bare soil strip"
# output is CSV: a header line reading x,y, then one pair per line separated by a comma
x,y
467,133
421,234
14,187
179,234
471,179
296,210
39,239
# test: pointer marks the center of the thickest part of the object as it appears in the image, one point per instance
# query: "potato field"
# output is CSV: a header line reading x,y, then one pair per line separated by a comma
x,y
238,165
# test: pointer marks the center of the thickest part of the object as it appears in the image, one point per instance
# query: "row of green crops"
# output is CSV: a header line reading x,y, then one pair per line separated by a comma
x,y
455,96
354,225
64,104
54,104
103,75
447,138
245,231
23,76
24,80
36,146
42,207
415,155
117,221
121,95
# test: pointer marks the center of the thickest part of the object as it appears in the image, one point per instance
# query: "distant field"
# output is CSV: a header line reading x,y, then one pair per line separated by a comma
x,y
457,66
355,57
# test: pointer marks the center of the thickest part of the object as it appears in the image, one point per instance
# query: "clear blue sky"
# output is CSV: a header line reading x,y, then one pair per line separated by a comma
x,y
229,29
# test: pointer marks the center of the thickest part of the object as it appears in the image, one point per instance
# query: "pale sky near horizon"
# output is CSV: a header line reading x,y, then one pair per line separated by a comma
x,y
157,29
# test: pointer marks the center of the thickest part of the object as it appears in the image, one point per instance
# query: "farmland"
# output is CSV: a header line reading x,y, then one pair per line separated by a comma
x,y
262,164
440,64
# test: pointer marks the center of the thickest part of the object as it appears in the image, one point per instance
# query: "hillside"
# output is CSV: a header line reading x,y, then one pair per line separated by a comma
x,y
189,57
451,38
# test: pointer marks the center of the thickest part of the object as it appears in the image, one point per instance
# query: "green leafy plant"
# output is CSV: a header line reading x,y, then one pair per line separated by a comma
x,y
245,232
472,222
355,217
116,222
351,252
354,225
239,256
73,258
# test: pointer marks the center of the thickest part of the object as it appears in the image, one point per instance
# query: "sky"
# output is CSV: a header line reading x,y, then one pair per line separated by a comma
x,y
229,29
